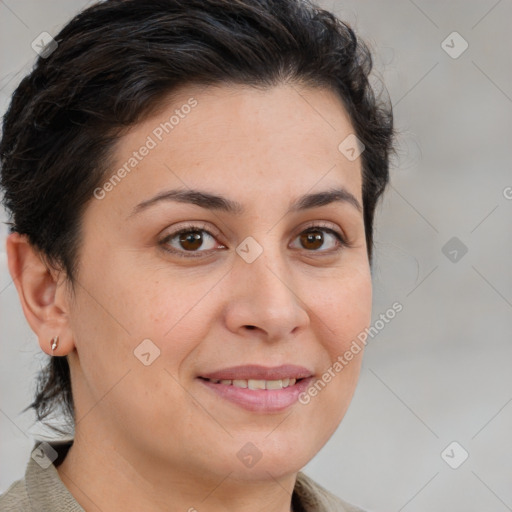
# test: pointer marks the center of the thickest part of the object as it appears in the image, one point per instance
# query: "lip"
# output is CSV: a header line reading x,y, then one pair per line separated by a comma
x,y
259,400
254,371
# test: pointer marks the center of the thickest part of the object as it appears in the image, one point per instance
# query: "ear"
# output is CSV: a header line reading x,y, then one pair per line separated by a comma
x,y
42,298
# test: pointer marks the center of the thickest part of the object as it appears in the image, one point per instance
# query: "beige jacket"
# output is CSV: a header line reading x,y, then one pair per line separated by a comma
x,y
42,490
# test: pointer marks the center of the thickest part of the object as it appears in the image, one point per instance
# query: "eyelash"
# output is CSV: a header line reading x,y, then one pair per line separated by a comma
x,y
342,242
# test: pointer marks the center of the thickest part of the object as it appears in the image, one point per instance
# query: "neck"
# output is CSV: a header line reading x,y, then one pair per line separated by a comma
x,y
103,477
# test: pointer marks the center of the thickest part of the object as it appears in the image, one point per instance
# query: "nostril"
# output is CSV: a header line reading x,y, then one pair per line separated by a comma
x,y
250,327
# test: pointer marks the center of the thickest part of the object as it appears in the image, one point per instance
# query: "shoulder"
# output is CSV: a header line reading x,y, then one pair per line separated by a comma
x,y
315,498
41,488
15,498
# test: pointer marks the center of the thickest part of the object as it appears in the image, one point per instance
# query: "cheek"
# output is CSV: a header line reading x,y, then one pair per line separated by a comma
x,y
342,310
342,307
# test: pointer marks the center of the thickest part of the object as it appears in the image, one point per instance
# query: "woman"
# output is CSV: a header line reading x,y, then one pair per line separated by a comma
x,y
192,188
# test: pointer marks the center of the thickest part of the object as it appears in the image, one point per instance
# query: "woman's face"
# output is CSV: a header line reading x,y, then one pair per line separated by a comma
x,y
266,285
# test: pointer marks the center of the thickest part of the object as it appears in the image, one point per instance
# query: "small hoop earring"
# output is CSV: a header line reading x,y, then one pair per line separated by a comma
x,y
54,343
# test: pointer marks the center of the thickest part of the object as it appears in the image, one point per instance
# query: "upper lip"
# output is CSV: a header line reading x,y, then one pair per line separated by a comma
x,y
257,372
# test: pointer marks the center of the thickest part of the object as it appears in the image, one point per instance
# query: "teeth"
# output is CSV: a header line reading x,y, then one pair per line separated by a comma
x,y
256,383
274,384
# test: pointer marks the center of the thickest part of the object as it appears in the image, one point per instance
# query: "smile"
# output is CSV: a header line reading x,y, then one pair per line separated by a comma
x,y
258,388
256,383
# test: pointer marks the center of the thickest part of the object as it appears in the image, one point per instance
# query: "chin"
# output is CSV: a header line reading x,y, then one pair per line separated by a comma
x,y
260,457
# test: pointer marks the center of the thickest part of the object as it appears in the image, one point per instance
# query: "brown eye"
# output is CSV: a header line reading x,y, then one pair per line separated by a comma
x,y
312,240
191,240
321,239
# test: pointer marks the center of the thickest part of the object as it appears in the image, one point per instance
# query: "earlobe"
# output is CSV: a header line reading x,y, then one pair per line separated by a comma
x,y
44,308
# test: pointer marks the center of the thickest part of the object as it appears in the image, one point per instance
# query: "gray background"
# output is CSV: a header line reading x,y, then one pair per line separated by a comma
x,y
440,371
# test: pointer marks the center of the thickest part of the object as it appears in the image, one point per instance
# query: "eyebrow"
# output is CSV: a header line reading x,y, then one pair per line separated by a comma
x,y
215,202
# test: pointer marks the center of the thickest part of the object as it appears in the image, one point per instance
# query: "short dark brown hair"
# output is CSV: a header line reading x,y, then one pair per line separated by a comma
x,y
116,61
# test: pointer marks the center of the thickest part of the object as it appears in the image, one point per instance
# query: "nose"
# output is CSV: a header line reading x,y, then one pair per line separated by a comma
x,y
265,298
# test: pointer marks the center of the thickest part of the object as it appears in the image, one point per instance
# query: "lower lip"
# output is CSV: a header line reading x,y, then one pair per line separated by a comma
x,y
260,400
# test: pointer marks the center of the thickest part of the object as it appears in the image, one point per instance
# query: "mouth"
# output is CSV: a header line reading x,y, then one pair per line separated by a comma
x,y
255,383
254,372
257,388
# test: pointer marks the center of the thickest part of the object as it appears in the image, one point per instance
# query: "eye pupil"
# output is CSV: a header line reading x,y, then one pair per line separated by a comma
x,y
193,237
312,237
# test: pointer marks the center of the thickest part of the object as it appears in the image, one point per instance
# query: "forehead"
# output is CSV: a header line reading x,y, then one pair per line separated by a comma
x,y
287,137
